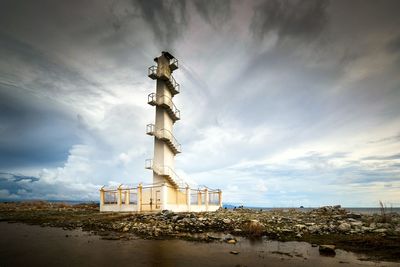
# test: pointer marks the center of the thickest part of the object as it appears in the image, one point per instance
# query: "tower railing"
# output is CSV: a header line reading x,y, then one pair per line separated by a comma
x,y
170,81
173,64
164,134
164,100
173,86
152,72
165,170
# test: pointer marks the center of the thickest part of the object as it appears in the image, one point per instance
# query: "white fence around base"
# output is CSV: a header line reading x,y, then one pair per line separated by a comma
x,y
159,197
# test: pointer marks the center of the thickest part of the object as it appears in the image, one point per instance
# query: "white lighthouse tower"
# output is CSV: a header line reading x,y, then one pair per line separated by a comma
x,y
165,144
168,191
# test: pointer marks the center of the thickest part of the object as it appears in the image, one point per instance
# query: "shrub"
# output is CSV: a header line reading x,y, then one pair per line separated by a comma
x,y
253,228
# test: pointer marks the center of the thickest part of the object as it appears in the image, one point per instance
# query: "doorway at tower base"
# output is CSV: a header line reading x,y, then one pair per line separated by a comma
x,y
158,197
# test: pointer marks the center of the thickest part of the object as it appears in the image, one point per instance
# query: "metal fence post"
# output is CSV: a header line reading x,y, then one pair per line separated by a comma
x,y
220,198
207,198
199,198
188,198
127,196
164,196
119,196
102,193
139,197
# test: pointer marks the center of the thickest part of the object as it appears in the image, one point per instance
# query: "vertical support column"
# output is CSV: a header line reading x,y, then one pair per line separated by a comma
x,y
127,196
188,198
220,198
119,195
139,197
102,196
199,198
164,196
177,193
207,198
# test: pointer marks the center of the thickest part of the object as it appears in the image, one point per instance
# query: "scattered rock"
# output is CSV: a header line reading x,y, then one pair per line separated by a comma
x,y
357,224
214,237
228,237
227,221
381,230
314,228
300,226
111,238
344,227
327,250
354,215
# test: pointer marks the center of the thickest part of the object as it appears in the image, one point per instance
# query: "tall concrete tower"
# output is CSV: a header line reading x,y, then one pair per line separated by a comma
x,y
168,191
165,144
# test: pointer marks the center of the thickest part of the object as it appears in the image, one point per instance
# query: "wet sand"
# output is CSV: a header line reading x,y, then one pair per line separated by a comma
x,y
27,245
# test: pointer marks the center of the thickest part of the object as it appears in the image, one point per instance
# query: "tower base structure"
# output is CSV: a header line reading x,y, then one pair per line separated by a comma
x,y
158,197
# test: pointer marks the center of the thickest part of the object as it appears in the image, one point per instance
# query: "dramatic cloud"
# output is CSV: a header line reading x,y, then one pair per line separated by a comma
x,y
283,103
167,19
215,12
290,18
33,132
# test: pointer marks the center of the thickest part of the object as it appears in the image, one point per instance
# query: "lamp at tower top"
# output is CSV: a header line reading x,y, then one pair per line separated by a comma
x,y
166,64
173,62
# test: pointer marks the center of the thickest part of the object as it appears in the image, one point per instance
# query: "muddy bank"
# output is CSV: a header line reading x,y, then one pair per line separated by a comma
x,y
375,235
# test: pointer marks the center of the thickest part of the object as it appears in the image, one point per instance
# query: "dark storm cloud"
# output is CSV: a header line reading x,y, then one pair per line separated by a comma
x,y
31,132
394,45
50,73
36,129
16,182
17,177
167,19
303,19
215,12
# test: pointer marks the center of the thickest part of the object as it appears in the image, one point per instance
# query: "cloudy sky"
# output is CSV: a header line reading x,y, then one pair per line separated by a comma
x,y
283,103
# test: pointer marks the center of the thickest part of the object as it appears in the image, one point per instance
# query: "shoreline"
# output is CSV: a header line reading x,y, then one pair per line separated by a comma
x,y
366,234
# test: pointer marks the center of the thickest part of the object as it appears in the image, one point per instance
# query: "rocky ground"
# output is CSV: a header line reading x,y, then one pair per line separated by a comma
x,y
378,236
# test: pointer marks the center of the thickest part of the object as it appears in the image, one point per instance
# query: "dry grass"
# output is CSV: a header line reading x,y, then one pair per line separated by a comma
x,y
385,216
